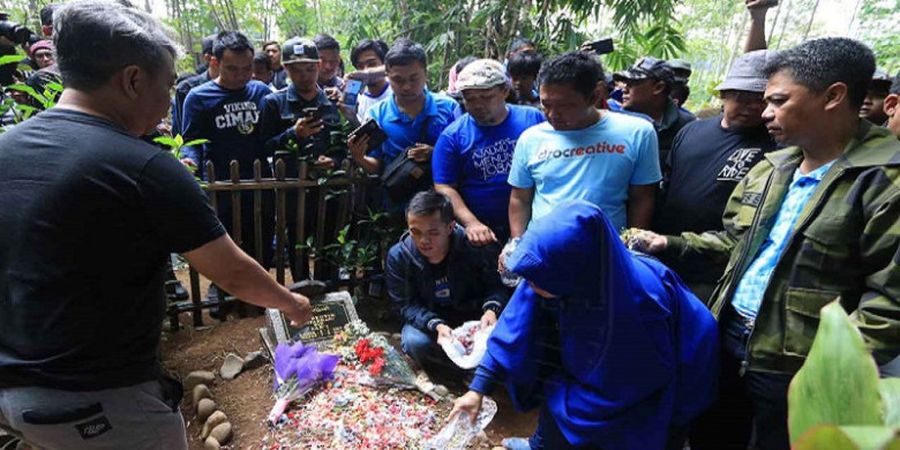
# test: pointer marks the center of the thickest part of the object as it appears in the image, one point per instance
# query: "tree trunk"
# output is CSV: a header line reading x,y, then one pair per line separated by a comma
x,y
787,19
812,17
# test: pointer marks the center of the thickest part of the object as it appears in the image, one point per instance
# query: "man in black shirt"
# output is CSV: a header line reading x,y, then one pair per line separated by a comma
x,y
279,76
873,106
184,87
708,158
86,232
647,87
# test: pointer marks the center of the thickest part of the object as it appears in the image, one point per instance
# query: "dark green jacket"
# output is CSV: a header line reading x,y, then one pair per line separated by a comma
x,y
843,246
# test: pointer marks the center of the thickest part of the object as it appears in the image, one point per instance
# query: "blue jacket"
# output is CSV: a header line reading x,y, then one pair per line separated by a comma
x,y
474,283
625,350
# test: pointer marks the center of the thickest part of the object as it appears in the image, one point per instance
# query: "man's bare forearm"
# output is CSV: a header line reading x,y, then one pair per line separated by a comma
x,y
462,212
520,210
226,265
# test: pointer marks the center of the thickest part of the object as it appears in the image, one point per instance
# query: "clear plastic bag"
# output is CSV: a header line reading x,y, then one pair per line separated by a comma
x,y
508,278
467,356
457,433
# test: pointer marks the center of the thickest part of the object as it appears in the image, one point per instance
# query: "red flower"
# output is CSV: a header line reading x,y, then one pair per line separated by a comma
x,y
377,365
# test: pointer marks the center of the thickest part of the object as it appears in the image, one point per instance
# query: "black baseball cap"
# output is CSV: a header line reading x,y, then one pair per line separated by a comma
x,y
297,50
881,81
647,67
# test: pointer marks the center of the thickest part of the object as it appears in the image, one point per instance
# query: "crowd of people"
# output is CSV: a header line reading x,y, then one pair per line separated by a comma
x,y
741,225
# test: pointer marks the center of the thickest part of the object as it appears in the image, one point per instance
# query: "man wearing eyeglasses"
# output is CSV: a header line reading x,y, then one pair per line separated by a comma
x,y
708,158
647,87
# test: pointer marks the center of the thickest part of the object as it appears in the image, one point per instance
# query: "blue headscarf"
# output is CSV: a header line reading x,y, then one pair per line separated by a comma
x,y
623,353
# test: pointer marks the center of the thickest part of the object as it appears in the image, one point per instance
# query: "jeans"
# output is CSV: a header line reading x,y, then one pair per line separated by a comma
x,y
142,416
752,408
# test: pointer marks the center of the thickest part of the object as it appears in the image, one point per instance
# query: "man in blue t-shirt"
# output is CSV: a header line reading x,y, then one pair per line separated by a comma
x,y
582,153
226,111
473,155
412,118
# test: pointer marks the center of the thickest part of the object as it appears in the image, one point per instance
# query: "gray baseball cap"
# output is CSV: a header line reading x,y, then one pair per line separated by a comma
x,y
747,73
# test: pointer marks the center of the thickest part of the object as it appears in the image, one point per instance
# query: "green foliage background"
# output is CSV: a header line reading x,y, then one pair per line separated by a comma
x,y
708,33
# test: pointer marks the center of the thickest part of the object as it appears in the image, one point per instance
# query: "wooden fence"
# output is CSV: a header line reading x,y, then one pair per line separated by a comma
x,y
354,192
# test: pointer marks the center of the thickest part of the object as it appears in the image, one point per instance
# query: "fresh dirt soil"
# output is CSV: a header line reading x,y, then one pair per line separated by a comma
x,y
247,399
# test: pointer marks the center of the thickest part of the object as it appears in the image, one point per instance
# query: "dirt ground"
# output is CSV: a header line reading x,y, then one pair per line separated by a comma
x,y
247,399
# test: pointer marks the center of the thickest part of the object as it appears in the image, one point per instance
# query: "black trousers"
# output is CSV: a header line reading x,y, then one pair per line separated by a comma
x,y
751,411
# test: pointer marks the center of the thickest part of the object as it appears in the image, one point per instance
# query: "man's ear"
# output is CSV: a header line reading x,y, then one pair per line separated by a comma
x,y
659,88
835,95
892,104
133,80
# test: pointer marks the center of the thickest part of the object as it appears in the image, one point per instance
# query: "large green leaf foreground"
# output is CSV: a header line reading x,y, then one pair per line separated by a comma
x,y
836,401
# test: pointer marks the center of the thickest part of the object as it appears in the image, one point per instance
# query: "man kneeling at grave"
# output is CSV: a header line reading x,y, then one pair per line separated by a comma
x,y
438,280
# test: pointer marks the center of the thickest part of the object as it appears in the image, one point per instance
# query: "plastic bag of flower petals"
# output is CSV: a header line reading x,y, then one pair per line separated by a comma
x,y
457,434
468,344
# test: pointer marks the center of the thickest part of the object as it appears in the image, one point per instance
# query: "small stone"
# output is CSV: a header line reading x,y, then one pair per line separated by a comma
x,y
231,367
222,432
211,444
205,408
212,422
254,360
200,392
198,377
441,390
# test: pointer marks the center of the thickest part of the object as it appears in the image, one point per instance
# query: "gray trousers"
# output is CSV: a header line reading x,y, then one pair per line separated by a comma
x,y
142,416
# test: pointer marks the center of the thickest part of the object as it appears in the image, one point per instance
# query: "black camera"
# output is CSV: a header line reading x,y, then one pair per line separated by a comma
x,y
14,32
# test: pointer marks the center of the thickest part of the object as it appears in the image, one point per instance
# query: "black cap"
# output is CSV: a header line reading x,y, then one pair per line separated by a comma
x,y
895,86
647,67
297,50
881,81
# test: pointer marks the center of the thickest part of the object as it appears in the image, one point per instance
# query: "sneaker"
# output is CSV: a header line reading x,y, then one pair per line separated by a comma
x,y
516,443
175,290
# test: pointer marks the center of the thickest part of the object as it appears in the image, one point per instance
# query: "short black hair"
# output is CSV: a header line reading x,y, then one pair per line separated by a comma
x,y
463,62
326,42
819,63
47,14
275,43
230,40
518,43
376,45
262,58
405,52
426,203
524,64
578,69
206,45
895,85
